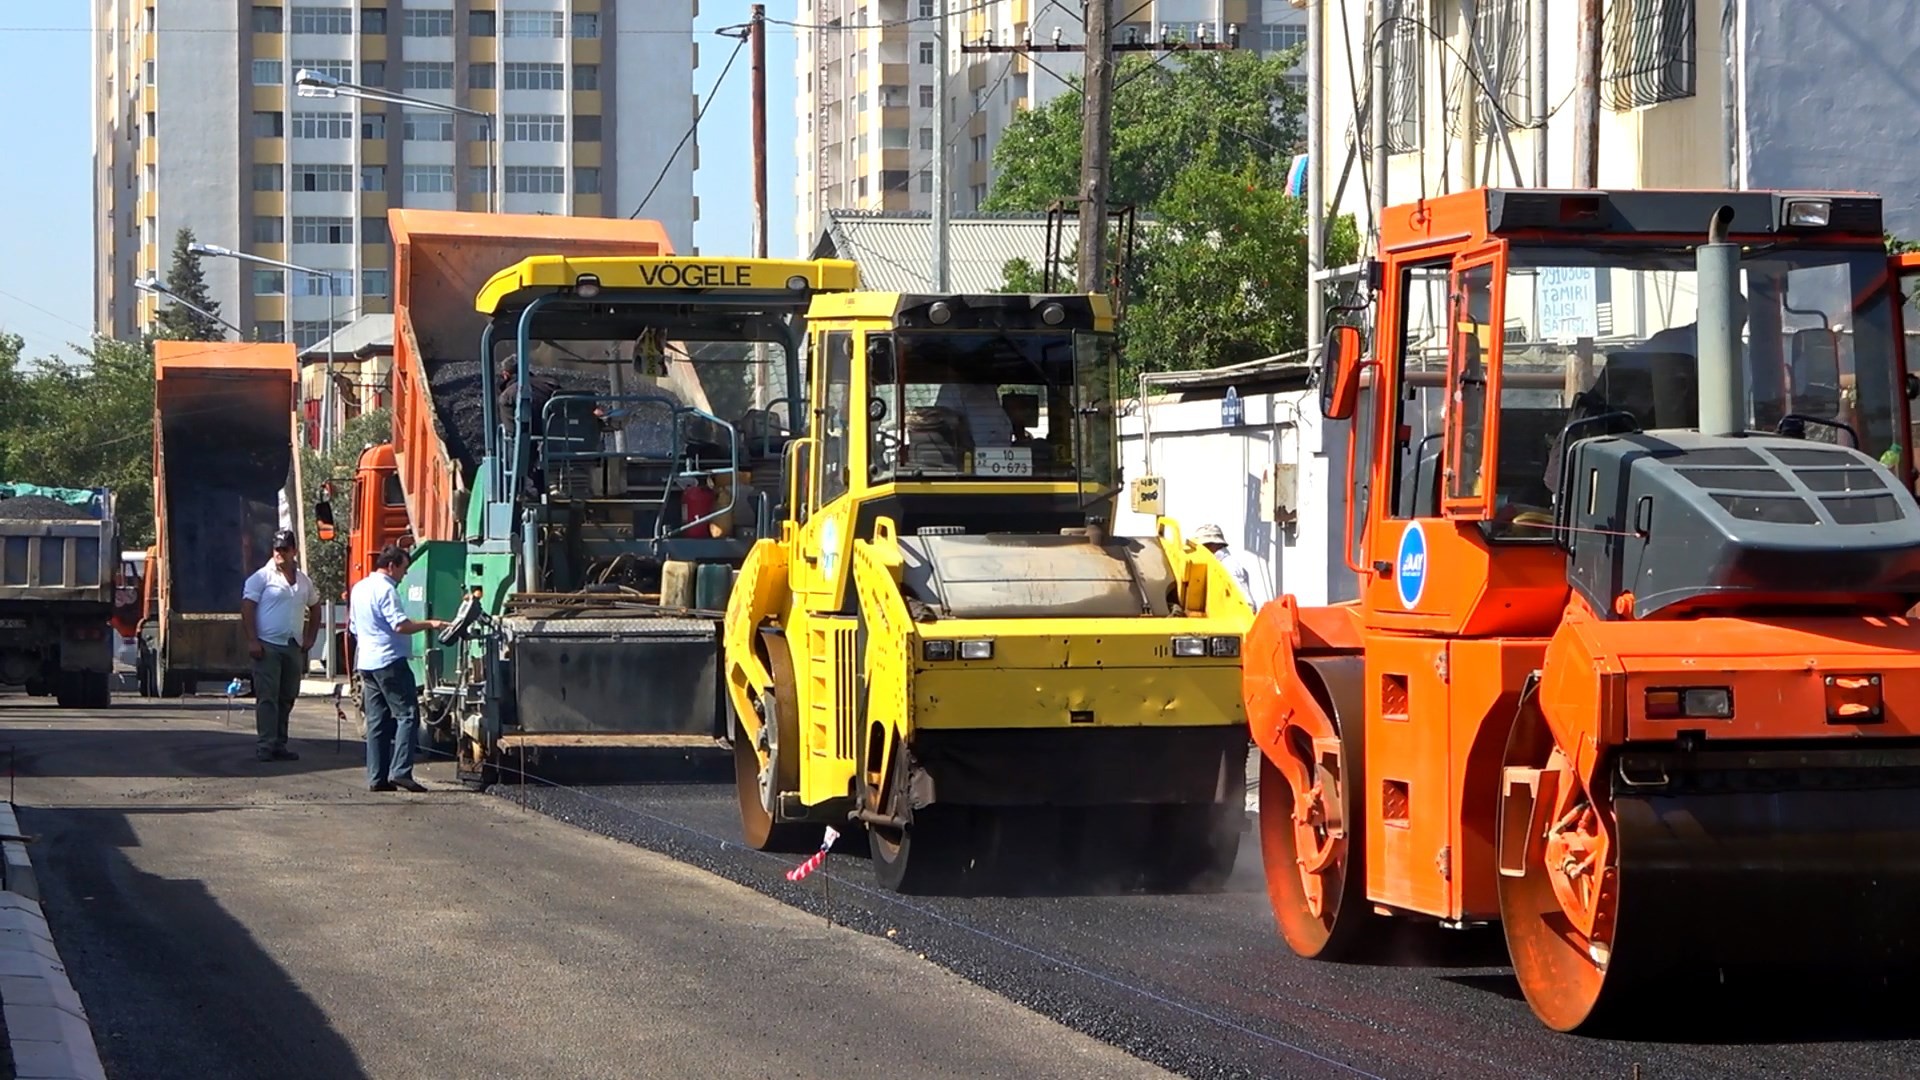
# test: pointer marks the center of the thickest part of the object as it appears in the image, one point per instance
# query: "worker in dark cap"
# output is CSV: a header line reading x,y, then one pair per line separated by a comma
x,y
539,390
280,609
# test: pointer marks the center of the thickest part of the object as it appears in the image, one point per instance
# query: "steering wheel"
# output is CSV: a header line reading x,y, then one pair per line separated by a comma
x,y
462,622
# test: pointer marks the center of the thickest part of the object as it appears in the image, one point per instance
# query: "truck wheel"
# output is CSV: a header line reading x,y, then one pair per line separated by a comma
x,y
38,688
96,689
171,685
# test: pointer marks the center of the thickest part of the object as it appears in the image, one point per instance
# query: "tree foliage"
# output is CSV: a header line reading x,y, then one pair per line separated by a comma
x,y
186,280
85,421
326,560
1201,148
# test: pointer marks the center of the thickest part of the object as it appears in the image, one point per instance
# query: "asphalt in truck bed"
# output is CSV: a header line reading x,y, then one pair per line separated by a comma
x,y
1203,986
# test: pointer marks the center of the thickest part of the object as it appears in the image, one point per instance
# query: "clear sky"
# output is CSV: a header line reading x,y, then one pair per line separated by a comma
x,y
46,198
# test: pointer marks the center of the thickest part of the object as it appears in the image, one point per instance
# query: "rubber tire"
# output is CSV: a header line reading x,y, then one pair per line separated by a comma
x,y
171,685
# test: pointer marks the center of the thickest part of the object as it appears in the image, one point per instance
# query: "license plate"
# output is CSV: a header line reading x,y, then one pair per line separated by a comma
x,y
1003,461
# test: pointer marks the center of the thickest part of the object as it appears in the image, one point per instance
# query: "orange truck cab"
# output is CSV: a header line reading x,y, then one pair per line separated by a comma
x,y
1630,672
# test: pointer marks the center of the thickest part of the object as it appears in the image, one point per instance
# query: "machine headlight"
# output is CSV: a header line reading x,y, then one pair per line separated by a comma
x,y
937,650
1690,702
940,314
797,283
1224,646
586,286
978,649
1189,646
1053,314
1809,213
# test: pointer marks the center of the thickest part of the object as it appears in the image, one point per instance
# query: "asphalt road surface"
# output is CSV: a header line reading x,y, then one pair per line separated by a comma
x,y
1203,986
222,917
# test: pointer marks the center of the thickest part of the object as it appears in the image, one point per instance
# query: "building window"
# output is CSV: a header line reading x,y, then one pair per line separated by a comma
x,y
979,195
373,21
269,125
265,73
894,139
374,283
479,24
269,282
893,97
586,76
474,181
323,178
926,52
536,77
270,331
373,230
586,128
268,178
428,179
373,178
428,75
427,127
1279,37
536,179
586,25
979,148
926,97
373,125
340,70
1500,47
893,180
480,76
926,180
322,125
322,230
535,127
427,22
322,20
586,180
532,24
477,130
269,230
307,334
266,20
373,73
317,284
926,138
1405,71
1650,52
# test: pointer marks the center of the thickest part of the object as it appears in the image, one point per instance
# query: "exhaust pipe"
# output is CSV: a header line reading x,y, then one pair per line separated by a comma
x,y
1723,392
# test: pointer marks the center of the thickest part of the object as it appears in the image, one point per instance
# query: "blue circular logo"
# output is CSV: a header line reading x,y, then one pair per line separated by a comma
x,y
1410,566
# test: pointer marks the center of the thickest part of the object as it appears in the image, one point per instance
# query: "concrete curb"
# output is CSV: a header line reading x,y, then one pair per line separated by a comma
x,y
47,1025
323,688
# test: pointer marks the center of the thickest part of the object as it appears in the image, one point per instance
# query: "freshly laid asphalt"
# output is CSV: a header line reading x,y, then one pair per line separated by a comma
x,y
222,917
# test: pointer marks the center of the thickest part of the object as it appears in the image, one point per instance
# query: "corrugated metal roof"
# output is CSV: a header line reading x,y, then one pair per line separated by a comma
x,y
895,250
368,334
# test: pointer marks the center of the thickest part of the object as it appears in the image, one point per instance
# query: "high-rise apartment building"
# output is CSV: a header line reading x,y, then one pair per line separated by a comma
x,y
866,73
199,125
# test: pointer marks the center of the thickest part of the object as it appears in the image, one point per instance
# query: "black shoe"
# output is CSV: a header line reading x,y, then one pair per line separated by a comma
x,y
284,754
263,755
408,783
381,786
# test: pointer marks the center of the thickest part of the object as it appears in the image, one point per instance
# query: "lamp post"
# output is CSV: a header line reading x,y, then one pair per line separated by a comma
x,y
154,286
314,84
327,393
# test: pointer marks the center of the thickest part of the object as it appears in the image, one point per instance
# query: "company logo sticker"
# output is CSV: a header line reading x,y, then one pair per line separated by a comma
x,y
1410,566
829,545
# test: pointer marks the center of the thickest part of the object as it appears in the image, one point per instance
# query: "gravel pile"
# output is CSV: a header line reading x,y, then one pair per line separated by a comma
x,y
41,508
457,390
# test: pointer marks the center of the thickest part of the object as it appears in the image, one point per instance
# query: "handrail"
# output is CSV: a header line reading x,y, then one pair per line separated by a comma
x,y
678,411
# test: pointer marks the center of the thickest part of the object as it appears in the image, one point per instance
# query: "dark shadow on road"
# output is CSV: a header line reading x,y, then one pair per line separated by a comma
x,y
174,985
102,748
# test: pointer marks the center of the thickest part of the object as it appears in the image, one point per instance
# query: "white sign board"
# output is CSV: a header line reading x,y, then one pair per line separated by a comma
x,y
1569,303
1003,461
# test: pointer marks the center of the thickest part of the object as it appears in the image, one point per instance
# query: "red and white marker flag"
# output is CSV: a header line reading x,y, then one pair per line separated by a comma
x,y
813,862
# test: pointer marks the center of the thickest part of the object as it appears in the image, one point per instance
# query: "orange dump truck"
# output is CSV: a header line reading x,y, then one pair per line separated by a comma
x,y
225,477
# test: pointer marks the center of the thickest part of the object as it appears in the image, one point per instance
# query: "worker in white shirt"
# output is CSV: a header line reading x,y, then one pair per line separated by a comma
x,y
280,609
383,654
1249,573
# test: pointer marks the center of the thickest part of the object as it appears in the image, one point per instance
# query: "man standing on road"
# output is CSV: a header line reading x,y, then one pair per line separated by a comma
x,y
1248,573
382,654
280,606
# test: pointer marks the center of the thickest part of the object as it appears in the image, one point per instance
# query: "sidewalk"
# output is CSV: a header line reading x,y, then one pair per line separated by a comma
x,y
48,1036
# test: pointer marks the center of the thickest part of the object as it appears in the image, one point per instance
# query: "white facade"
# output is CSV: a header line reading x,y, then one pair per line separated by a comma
x,y
1213,473
866,72
1784,94
201,127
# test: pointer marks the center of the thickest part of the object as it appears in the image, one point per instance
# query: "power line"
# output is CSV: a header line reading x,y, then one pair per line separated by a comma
x,y
712,93
883,24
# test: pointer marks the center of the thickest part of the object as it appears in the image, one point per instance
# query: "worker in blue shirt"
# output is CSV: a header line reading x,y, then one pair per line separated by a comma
x,y
382,654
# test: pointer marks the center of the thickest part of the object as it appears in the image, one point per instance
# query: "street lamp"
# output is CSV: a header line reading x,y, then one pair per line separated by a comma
x,y
154,286
309,83
332,340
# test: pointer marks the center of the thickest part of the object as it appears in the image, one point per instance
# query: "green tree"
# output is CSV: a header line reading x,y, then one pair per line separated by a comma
x,y
86,422
1201,149
327,559
186,280
1899,246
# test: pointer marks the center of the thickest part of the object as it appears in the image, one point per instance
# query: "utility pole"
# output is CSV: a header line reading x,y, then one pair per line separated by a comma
x,y
1537,20
941,209
1096,115
1316,180
1096,158
1586,95
1377,160
757,37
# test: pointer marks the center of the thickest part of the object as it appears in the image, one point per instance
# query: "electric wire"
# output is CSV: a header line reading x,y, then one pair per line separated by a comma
x,y
713,92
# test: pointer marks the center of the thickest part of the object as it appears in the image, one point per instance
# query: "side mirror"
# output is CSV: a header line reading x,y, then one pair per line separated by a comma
x,y
1815,364
1340,373
323,518
1913,386
880,367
